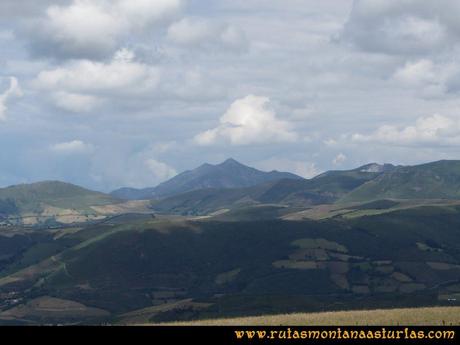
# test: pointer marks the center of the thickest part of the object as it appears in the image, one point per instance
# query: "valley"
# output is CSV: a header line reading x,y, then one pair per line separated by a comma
x,y
283,246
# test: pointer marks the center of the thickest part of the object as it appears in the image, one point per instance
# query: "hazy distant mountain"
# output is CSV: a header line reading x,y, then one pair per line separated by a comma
x,y
229,174
323,189
436,180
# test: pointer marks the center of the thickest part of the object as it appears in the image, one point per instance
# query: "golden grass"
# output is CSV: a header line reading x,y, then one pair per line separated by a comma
x,y
409,316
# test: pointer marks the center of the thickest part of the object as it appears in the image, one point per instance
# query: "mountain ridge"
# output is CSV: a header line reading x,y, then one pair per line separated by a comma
x,y
322,189
433,180
228,174
209,188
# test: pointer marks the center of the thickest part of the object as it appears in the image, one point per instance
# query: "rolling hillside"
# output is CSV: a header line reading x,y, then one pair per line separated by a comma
x,y
29,197
50,201
436,180
167,269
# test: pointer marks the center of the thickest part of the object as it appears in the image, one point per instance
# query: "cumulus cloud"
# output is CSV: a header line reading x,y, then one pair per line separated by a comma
x,y
71,147
249,120
339,159
425,77
74,102
194,32
429,79
435,130
160,170
82,84
403,27
418,72
14,90
92,29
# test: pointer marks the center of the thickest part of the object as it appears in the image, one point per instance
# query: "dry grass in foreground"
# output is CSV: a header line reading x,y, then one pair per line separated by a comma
x,y
410,316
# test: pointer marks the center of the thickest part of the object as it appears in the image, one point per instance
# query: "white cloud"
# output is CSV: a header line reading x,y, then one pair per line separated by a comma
x,y
425,77
84,83
75,102
189,31
436,129
418,72
72,29
249,120
194,32
339,159
71,147
93,28
160,170
14,90
330,142
429,79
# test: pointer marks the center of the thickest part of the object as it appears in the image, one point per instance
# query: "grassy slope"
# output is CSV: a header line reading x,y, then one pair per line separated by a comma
x,y
407,316
52,202
124,264
437,180
29,197
124,267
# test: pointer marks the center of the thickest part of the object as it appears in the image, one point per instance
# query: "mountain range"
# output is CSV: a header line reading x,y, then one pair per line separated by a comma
x,y
232,185
229,174
323,189
378,236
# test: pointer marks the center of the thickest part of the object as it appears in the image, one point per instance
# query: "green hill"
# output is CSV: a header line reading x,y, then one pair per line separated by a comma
x,y
46,201
437,180
29,197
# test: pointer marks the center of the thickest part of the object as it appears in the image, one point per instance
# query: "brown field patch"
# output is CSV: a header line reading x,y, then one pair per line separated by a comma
x,y
388,317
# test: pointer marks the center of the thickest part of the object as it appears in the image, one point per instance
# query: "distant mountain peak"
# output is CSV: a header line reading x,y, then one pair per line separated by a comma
x,y
228,174
375,167
230,161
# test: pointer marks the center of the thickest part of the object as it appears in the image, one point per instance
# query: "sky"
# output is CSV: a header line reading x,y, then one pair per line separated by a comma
x,y
116,93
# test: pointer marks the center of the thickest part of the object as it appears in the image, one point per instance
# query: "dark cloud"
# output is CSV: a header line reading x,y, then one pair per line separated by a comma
x,y
13,10
404,27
